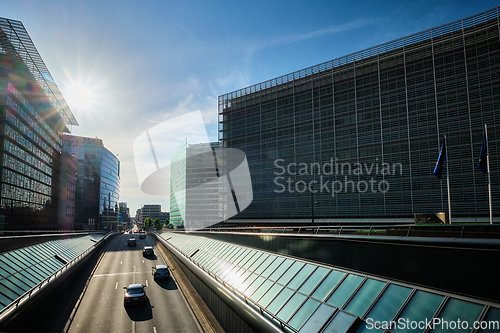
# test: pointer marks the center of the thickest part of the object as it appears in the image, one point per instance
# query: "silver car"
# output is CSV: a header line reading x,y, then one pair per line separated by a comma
x,y
134,294
160,272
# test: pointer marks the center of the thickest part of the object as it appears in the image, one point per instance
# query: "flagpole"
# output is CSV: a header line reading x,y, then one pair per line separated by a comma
x,y
489,178
448,177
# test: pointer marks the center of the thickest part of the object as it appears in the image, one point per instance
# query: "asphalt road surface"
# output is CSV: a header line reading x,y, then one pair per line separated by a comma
x,y
102,309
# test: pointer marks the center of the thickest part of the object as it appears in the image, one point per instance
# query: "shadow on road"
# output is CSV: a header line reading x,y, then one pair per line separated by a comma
x,y
153,257
166,284
140,312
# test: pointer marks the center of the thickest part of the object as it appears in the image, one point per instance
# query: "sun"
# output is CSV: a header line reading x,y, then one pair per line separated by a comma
x,y
80,97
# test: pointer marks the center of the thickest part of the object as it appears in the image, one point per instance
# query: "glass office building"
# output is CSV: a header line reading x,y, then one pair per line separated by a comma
x,y
356,139
97,186
194,186
33,114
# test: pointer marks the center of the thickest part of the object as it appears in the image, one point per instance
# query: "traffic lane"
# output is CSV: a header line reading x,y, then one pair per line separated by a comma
x,y
169,310
102,307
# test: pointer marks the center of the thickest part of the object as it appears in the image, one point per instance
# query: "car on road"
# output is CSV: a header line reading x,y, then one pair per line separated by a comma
x,y
142,235
148,251
134,294
160,272
132,242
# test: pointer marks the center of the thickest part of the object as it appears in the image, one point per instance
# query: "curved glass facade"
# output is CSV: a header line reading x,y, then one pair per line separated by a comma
x,y
97,183
366,129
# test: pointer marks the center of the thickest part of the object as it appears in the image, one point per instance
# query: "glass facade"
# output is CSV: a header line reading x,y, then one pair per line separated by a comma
x,y
359,136
33,114
97,186
309,297
194,186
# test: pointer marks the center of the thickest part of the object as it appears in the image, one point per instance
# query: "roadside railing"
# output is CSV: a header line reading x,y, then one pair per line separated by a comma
x,y
28,294
490,231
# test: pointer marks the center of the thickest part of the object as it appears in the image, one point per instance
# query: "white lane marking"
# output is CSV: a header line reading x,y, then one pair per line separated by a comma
x,y
154,329
121,262
143,261
116,285
111,274
146,283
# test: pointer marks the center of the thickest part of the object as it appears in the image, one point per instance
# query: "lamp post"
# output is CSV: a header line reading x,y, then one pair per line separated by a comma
x,y
311,186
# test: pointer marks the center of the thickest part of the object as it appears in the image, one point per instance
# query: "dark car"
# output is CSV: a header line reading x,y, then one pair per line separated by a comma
x,y
160,272
148,251
142,236
134,294
132,242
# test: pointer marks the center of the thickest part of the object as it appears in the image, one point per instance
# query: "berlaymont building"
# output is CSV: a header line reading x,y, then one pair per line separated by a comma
x,y
356,139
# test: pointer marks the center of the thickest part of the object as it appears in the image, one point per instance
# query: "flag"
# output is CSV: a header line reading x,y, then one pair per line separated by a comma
x,y
438,170
483,157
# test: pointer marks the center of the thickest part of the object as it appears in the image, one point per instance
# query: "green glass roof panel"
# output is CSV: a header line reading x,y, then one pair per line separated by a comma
x,y
8,294
303,313
368,328
345,290
270,294
279,300
492,319
281,269
249,262
291,306
272,267
389,303
301,276
254,285
326,287
420,307
364,297
310,284
318,318
20,283
244,284
257,262
454,310
258,270
290,272
261,290
340,323
16,290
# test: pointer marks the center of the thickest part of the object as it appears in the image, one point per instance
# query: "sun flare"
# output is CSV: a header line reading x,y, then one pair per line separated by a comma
x,y
80,97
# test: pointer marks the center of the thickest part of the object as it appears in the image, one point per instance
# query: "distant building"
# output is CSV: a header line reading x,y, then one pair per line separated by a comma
x,y
33,114
124,214
97,183
194,165
153,211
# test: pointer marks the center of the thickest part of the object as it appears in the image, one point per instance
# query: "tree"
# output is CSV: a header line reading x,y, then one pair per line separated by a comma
x,y
147,222
157,224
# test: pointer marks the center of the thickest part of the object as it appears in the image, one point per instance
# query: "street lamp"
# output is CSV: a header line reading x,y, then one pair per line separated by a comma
x,y
311,186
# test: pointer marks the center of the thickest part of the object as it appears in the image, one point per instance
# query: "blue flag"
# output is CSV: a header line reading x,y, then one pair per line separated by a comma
x,y
438,170
483,157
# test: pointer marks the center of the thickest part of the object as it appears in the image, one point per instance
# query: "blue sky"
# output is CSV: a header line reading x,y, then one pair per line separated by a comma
x,y
138,63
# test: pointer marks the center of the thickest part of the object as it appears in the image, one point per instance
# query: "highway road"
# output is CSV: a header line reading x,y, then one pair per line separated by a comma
x,y
102,309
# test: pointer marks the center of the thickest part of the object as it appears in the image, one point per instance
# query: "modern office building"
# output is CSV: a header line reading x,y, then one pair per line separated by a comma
x,y
67,183
194,186
97,183
365,130
33,114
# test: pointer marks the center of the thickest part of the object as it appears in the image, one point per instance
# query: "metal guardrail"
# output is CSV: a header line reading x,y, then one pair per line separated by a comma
x,y
26,296
455,231
284,326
